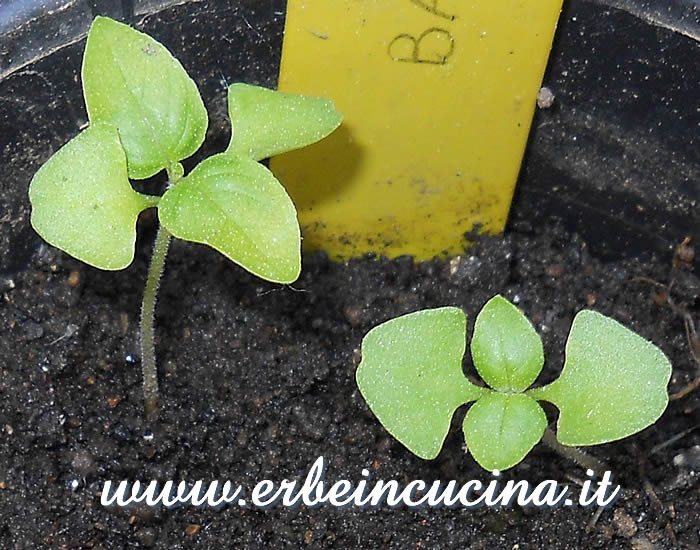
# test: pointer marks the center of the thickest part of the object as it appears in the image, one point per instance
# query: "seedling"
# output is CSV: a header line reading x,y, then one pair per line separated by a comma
x,y
146,115
613,383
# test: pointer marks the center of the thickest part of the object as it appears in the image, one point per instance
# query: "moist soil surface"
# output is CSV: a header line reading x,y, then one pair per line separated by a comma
x,y
257,381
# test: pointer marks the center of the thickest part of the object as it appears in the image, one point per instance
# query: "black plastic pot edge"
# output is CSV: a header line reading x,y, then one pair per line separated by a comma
x,y
616,157
676,15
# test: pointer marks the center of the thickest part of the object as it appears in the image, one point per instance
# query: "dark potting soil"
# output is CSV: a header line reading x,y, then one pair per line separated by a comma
x,y
257,381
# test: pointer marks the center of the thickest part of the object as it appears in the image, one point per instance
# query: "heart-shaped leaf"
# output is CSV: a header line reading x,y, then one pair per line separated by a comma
x,y
238,207
613,383
505,348
411,376
132,82
500,429
267,122
83,203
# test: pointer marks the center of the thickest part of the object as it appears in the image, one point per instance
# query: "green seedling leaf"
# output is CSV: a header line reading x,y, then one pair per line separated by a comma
x,y
505,348
83,203
500,429
613,383
411,376
267,122
235,205
132,82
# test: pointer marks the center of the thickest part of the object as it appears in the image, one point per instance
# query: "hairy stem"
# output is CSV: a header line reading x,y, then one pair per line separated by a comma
x,y
148,307
574,453
148,352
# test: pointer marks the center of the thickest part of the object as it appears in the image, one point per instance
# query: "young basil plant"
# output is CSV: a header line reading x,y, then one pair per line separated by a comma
x,y
146,115
614,382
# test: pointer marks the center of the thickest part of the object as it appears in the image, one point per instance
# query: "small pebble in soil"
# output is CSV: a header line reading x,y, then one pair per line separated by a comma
x,y
353,314
124,323
113,401
624,524
689,459
545,98
192,529
74,484
685,254
74,278
6,284
554,270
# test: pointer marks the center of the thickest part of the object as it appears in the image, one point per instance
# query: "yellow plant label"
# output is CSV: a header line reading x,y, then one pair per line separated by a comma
x,y
438,97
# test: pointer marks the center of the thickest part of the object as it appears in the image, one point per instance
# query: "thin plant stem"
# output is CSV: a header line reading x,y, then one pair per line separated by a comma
x,y
148,352
573,453
148,307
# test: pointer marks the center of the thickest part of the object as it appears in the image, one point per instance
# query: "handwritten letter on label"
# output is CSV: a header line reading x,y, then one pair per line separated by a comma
x,y
433,46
